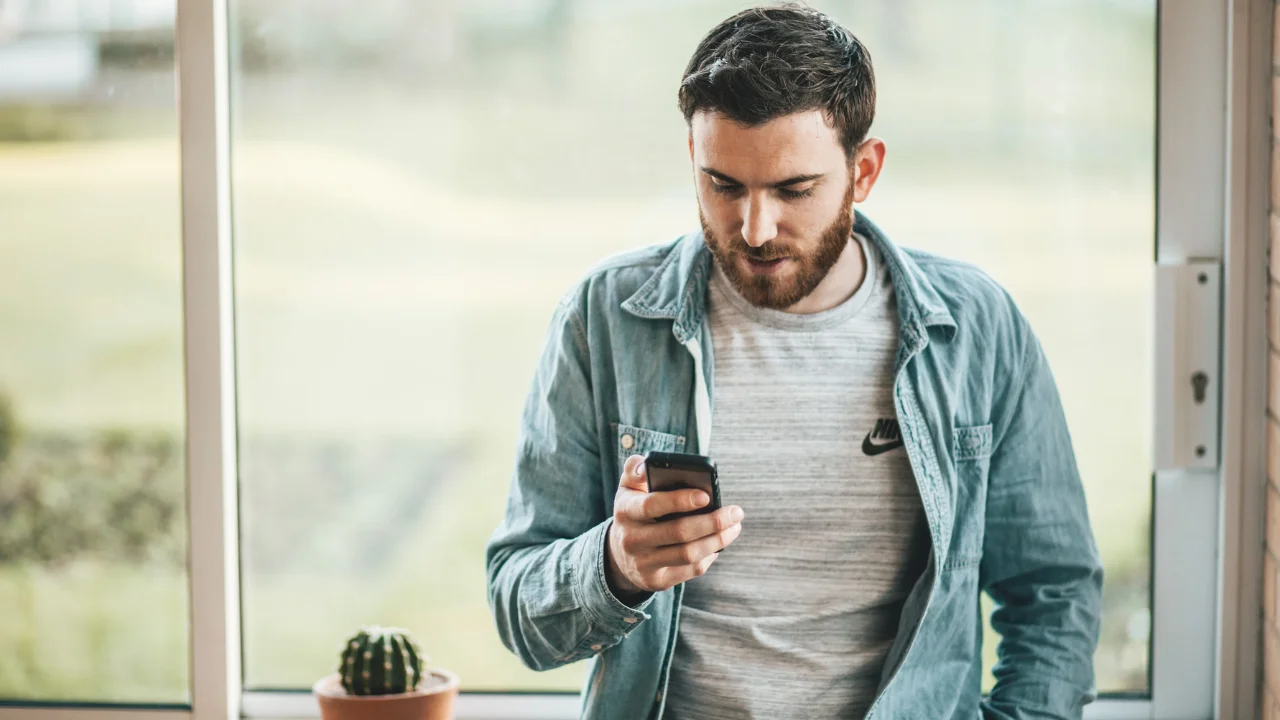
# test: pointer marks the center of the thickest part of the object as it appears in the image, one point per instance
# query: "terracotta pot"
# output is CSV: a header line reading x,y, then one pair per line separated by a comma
x,y
434,701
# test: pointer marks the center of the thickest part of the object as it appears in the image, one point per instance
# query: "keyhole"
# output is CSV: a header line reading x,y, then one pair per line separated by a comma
x,y
1199,381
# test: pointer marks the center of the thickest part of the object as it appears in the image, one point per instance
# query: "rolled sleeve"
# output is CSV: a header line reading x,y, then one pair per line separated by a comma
x,y
1040,563
609,615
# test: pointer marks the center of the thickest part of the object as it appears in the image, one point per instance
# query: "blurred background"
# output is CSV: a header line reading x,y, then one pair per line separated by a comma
x,y
414,186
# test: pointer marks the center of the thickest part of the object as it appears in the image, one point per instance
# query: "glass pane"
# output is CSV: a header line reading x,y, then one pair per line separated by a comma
x,y
93,525
416,184
1035,161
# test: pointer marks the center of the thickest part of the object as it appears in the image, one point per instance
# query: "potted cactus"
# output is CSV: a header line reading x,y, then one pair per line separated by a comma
x,y
383,675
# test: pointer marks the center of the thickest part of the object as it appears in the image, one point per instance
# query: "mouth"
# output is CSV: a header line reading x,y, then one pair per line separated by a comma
x,y
766,267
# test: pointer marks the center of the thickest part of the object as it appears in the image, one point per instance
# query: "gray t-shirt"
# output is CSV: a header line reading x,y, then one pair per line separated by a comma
x,y
795,618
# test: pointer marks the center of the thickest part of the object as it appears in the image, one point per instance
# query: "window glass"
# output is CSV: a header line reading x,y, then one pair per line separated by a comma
x,y
416,184
93,580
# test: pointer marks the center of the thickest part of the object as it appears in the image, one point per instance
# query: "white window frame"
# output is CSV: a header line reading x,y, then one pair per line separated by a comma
x,y
1212,154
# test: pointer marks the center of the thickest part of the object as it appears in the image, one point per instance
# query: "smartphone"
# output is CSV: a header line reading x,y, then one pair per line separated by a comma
x,y
677,471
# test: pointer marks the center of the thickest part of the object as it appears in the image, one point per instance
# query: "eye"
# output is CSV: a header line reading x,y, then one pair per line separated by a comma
x,y
795,194
724,188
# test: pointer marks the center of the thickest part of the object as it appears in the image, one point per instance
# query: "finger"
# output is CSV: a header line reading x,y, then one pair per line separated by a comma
x,y
692,553
633,488
694,527
657,504
633,477
672,576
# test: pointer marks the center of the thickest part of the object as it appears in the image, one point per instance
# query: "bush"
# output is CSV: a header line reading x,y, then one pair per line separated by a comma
x,y
112,496
310,504
8,428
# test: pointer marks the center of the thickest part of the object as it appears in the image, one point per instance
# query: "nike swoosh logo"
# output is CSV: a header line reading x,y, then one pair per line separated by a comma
x,y
874,448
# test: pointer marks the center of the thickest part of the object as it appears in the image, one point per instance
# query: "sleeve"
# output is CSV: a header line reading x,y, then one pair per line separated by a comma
x,y
1040,563
545,561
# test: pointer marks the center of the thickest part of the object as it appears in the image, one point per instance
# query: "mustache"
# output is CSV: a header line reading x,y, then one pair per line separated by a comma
x,y
761,254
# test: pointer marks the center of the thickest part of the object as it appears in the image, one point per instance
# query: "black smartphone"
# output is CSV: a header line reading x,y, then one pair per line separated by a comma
x,y
677,471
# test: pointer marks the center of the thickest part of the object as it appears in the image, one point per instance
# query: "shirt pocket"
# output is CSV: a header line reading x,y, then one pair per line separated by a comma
x,y
971,448
631,440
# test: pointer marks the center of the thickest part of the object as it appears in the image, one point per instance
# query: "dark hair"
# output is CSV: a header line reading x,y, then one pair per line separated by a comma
x,y
768,62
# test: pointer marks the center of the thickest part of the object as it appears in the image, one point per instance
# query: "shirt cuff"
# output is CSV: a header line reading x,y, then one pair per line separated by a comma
x,y
608,612
1032,696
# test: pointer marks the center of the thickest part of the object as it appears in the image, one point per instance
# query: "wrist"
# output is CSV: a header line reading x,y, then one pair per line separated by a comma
x,y
626,597
623,589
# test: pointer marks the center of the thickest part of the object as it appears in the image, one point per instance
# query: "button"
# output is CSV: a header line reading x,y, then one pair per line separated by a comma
x,y
597,648
659,697
630,620
628,441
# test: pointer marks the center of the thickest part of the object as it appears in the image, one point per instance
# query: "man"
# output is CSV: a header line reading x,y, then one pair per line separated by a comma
x,y
889,439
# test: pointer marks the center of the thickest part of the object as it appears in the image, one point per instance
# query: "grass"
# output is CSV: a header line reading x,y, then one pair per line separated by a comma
x,y
127,645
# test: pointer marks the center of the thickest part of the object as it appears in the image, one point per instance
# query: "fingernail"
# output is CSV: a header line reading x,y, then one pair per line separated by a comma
x,y
701,498
640,468
736,514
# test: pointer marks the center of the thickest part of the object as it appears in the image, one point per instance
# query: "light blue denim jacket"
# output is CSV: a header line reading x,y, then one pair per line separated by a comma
x,y
629,354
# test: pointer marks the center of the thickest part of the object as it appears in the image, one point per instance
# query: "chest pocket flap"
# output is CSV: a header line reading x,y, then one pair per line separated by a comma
x,y
972,442
634,440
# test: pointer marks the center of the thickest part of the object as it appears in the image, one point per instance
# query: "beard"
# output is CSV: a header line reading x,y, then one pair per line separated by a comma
x,y
804,272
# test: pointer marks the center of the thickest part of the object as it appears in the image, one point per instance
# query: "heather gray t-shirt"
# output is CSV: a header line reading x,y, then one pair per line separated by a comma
x,y
795,618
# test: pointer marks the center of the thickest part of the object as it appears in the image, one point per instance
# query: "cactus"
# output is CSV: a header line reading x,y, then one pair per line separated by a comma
x,y
382,661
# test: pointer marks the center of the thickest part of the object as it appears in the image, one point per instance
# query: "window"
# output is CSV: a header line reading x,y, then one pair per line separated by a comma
x,y
414,192
411,187
92,492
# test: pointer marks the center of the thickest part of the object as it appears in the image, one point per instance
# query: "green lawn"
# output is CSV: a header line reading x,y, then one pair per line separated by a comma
x,y
93,632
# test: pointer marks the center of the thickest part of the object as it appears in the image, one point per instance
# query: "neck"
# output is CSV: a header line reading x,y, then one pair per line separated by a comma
x,y
840,283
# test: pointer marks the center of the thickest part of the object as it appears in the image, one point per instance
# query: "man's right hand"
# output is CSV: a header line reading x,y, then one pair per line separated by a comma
x,y
644,555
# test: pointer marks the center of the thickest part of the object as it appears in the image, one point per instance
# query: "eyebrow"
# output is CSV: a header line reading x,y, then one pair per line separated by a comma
x,y
796,180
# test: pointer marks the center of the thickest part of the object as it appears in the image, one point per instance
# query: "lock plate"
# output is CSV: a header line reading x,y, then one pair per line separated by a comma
x,y
1187,377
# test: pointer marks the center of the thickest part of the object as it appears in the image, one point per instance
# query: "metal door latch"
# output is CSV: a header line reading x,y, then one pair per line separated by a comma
x,y
1188,317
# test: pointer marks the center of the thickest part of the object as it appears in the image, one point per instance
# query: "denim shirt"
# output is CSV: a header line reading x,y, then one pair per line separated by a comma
x,y
627,367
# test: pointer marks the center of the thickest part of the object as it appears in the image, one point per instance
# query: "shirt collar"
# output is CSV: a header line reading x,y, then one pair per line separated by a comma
x,y
677,289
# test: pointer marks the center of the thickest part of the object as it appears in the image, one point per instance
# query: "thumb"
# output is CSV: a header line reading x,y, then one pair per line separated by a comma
x,y
633,474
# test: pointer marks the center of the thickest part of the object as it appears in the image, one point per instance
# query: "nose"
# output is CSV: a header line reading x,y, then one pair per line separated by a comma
x,y
759,221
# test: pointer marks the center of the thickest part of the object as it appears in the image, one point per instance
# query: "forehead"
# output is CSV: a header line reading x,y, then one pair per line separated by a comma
x,y
799,143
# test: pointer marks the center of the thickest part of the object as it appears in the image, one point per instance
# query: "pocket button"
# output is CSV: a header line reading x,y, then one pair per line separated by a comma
x,y
628,441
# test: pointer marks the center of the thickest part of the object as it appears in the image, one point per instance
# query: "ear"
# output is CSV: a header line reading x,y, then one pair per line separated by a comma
x,y
690,146
868,161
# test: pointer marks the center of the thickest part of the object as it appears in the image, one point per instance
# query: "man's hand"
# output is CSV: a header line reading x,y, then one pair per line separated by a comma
x,y
647,556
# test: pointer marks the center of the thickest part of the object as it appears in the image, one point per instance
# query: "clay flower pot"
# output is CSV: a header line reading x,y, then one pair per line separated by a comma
x,y
433,700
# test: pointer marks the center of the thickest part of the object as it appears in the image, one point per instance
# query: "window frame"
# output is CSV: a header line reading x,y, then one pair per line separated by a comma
x,y
1213,72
